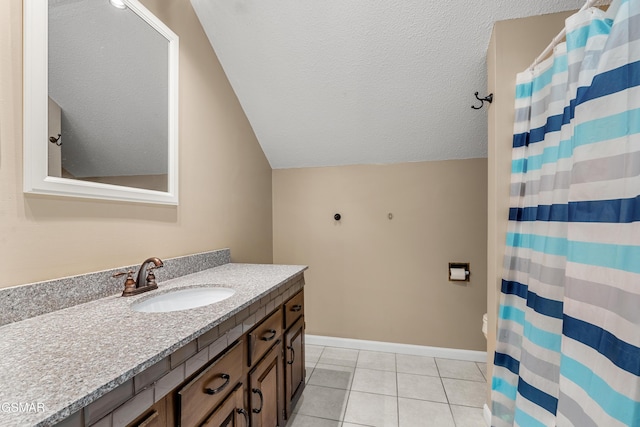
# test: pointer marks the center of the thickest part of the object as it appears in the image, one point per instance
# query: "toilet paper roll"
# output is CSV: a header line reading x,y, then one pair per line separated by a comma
x,y
458,274
484,325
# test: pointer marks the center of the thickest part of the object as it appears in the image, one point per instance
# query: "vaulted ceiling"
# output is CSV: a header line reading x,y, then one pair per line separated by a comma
x,y
337,82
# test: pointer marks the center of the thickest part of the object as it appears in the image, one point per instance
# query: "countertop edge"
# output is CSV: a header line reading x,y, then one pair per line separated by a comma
x,y
92,396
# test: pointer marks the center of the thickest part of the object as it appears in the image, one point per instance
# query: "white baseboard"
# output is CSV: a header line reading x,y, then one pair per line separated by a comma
x,y
487,415
416,350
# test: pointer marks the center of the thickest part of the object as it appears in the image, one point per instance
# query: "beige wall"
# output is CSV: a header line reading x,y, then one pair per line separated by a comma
x,y
513,47
386,280
225,180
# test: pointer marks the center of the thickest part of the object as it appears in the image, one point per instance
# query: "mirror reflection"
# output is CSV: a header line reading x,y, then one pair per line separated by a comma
x,y
108,100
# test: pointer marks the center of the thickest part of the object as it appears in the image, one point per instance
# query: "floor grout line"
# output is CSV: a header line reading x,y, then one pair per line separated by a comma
x,y
353,368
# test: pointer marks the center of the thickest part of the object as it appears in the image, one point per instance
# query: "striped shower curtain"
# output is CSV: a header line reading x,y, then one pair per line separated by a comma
x,y
568,342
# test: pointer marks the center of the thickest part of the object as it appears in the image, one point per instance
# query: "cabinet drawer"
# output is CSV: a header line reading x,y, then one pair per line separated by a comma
x,y
293,309
230,412
264,336
204,392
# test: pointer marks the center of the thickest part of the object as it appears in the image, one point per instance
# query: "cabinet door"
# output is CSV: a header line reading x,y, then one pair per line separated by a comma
x,y
294,365
266,394
231,412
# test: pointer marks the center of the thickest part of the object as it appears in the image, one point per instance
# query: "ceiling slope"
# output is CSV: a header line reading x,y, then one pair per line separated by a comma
x,y
336,82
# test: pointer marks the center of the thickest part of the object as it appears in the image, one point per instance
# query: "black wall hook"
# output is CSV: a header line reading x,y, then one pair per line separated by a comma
x,y
488,98
54,140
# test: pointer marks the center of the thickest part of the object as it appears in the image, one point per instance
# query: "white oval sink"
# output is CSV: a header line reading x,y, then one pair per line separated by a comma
x,y
183,299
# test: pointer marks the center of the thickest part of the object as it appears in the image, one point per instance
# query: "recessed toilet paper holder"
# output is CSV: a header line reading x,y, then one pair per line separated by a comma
x,y
459,272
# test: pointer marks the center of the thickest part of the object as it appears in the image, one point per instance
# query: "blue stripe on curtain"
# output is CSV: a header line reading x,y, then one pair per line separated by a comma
x,y
549,155
578,39
560,65
524,419
507,312
519,166
537,396
619,257
542,338
506,361
545,306
591,132
503,387
514,288
610,82
598,130
544,244
563,150
618,211
540,213
604,84
521,140
525,90
622,354
554,124
616,404
538,336
542,305
597,384
607,128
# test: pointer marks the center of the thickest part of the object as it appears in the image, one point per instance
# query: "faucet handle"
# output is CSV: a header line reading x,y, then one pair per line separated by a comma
x,y
122,273
129,283
151,277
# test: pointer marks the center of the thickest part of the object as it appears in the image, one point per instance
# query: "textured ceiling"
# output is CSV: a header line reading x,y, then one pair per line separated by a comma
x,y
340,82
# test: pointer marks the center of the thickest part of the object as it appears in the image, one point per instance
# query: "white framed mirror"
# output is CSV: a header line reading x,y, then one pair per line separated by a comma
x,y
100,101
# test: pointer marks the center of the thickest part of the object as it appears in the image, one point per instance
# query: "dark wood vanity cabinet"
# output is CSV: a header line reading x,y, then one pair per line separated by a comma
x,y
247,371
293,309
295,371
206,391
263,336
231,412
266,397
255,382
294,365
156,416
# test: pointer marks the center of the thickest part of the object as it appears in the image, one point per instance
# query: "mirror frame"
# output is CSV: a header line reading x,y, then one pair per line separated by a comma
x,y
35,120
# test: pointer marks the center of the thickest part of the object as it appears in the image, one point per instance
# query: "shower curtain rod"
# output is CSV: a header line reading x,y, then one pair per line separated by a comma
x,y
557,39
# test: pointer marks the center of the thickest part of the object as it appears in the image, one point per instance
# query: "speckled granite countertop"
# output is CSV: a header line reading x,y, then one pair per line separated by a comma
x,y
66,359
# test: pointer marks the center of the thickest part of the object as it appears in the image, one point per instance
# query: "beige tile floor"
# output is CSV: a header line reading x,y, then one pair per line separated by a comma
x,y
358,388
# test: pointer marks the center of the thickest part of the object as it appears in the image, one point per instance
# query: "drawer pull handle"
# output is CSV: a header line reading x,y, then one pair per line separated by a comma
x,y
293,355
259,393
245,414
296,307
272,336
225,377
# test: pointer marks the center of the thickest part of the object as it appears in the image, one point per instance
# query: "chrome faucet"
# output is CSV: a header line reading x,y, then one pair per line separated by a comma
x,y
142,284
